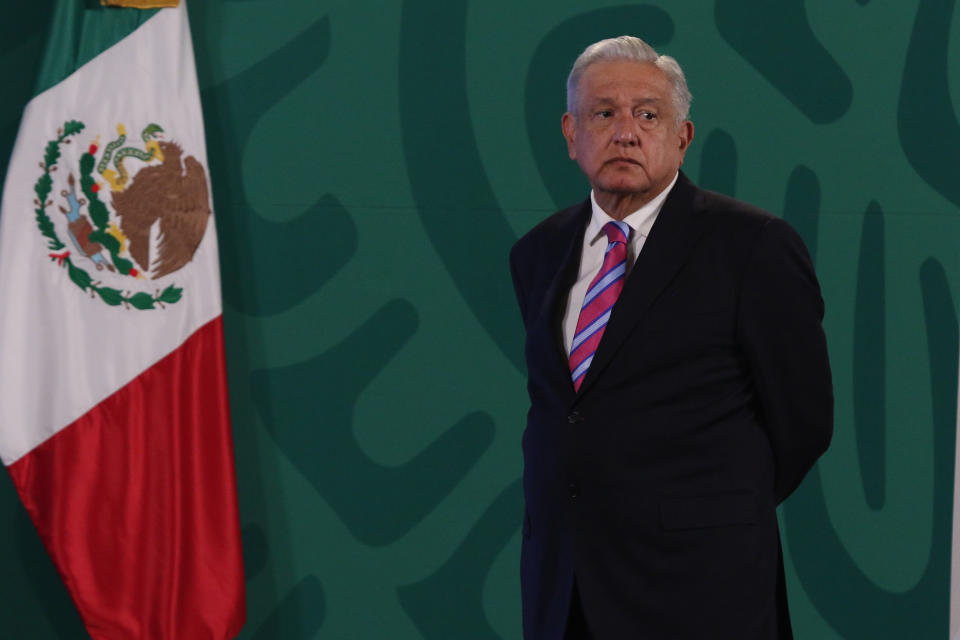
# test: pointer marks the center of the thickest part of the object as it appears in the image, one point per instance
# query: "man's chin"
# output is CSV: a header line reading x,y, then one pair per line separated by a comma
x,y
623,188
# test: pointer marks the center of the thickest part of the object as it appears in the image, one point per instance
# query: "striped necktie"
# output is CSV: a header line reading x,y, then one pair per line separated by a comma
x,y
601,295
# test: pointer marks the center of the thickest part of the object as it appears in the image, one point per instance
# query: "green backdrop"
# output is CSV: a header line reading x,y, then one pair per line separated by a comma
x,y
373,162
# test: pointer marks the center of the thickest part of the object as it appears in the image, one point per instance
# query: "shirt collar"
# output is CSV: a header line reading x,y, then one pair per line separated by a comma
x,y
640,221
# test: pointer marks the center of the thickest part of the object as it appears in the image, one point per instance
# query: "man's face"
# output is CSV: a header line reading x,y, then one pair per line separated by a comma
x,y
624,133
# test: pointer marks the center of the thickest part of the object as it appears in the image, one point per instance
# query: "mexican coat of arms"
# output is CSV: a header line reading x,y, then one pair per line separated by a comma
x,y
129,213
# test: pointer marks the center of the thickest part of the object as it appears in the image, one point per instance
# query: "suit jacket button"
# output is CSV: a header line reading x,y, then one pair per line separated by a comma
x,y
574,417
573,490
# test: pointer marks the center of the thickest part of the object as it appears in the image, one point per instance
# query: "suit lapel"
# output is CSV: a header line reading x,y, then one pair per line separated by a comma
x,y
664,252
568,248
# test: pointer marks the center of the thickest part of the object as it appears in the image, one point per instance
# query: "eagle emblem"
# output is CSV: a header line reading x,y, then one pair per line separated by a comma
x,y
129,213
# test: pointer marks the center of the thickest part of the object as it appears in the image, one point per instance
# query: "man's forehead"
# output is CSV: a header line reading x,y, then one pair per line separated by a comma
x,y
614,99
625,68
615,76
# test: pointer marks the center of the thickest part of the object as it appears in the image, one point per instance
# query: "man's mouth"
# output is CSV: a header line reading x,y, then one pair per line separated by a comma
x,y
622,159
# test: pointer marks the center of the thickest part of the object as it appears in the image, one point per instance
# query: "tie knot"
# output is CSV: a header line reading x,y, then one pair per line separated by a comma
x,y
617,231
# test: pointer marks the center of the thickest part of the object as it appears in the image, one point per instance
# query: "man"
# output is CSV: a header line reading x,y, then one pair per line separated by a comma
x,y
678,380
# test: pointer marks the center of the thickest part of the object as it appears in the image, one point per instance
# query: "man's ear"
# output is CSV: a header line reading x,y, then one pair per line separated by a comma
x,y
685,134
568,125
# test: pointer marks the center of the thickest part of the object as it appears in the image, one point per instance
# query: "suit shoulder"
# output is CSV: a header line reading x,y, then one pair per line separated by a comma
x,y
549,231
730,210
735,216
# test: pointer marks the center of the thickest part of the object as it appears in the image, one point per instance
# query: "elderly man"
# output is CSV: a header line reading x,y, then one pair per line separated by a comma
x,y
678,380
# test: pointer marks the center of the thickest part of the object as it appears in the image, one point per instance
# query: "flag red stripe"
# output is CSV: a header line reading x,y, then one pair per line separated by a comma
x,y
136,502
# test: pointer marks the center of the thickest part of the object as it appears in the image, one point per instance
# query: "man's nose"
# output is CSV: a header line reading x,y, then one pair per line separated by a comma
x,y
625,131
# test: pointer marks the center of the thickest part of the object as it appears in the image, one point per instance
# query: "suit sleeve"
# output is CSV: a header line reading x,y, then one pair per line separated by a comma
x,y
779,326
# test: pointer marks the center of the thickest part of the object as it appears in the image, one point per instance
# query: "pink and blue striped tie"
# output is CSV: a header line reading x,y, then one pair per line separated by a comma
x,y
601,295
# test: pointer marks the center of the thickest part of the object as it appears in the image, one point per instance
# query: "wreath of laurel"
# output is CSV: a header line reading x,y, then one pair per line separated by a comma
x,y
98,212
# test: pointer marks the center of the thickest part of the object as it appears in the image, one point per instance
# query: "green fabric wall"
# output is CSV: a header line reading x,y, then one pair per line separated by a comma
x,y
373,162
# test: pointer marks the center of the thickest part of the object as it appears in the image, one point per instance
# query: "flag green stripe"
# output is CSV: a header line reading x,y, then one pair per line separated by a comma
x,y
79,31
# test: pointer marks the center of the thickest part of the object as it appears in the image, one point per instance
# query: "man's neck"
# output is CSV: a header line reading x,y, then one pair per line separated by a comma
x,y
619,205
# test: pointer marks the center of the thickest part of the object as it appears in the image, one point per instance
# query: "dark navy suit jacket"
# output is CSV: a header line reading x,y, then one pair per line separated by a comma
x,y
708,399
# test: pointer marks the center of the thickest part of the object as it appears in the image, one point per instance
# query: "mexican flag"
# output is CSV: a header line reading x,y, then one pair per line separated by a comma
x,y
114,419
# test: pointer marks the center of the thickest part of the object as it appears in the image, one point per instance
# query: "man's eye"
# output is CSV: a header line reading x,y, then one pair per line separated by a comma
x,y
648,115
604,113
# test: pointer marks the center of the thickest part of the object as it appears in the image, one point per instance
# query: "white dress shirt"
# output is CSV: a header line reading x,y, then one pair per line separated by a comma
x,y
594,248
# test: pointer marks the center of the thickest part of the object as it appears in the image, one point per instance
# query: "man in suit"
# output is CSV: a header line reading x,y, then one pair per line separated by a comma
x,y
678,379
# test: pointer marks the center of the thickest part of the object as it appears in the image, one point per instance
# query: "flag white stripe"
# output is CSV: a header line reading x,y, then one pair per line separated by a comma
x,y
47,376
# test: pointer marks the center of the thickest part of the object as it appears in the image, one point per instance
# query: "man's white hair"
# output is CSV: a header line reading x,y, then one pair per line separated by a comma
x,y
630,48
